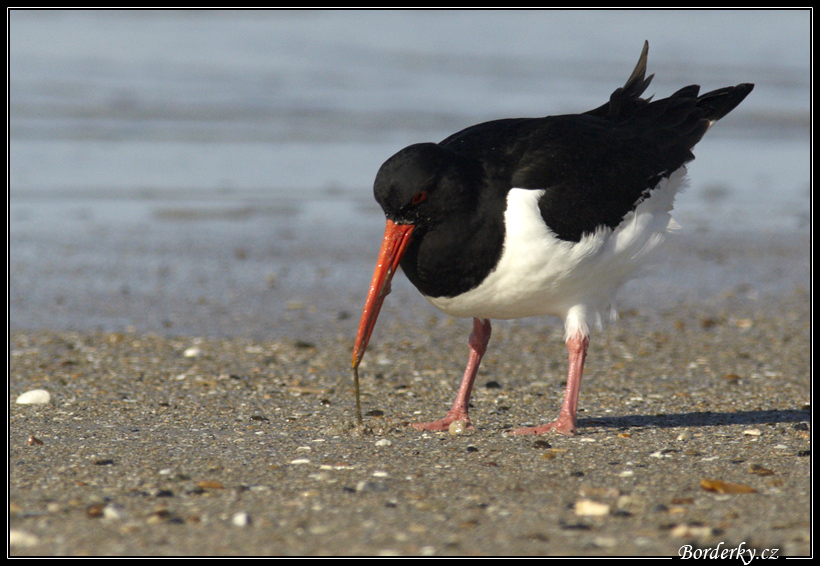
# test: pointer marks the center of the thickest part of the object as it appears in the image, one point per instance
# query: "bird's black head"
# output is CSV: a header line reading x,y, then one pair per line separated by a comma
x,y
424,183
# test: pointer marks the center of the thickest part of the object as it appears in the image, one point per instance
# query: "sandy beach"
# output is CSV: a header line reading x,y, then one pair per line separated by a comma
x,y
169,444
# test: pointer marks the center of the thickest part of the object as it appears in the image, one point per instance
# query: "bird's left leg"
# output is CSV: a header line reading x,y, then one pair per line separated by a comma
x,y
479,338
565,423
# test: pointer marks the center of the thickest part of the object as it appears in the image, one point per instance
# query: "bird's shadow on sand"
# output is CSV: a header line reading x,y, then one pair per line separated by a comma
x,y
697,419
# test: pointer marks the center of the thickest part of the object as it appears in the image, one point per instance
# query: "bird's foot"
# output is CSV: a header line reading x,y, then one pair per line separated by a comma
x,y
444,423
561,426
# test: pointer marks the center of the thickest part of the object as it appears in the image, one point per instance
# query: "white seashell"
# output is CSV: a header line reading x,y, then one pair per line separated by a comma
x,y
591,508
193,352
22,539
34,397
241,519
457,427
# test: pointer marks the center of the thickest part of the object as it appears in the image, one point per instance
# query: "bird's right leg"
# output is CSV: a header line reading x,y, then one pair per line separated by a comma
x,y
479,338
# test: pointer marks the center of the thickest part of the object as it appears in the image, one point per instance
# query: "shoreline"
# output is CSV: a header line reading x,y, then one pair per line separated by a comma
x,y
273,277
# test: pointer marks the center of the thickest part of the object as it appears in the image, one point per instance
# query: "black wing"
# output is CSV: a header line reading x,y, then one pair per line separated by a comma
x,y
598,166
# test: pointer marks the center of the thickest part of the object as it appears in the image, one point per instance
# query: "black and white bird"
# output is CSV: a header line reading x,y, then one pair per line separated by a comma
x,y
538,216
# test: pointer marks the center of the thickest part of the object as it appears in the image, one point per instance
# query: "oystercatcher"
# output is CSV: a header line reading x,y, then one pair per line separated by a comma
x,y
538,216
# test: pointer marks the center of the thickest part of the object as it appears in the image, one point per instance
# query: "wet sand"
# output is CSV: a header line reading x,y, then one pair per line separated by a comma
x,y
240,441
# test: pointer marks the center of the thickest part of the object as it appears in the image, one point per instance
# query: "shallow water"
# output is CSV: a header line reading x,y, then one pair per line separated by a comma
x,y
202,171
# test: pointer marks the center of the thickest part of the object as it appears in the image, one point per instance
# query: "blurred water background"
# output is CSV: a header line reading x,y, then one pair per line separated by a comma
x,y
210,172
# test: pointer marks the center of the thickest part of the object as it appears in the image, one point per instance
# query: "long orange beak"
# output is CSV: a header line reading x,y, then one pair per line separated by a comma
x,y
394,244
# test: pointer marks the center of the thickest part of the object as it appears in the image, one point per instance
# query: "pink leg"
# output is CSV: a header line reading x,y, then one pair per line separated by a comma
x,y
479,338
565,423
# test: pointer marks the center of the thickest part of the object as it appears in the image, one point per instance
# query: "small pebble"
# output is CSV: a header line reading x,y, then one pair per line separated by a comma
x,y
759,470
685,435
370,486
457,427
22,539
319,530
241,519
725,487
158,515
34,441
691,531
632,503
95,511
113,512
34,397
744,323
384,442
193,352
752,432
605,542
590,508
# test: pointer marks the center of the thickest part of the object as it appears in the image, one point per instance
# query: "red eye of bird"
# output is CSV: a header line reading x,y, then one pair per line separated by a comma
x,y
419,198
